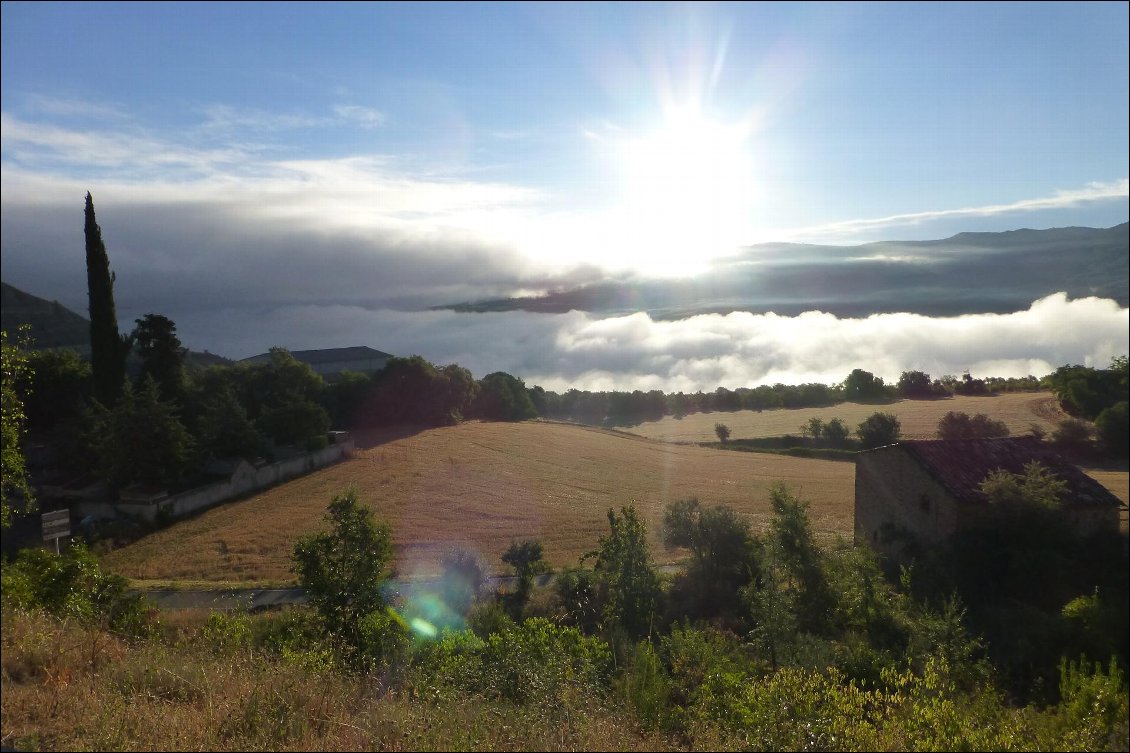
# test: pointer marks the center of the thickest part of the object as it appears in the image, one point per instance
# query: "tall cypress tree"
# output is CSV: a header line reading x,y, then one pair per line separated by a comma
x,y
107,348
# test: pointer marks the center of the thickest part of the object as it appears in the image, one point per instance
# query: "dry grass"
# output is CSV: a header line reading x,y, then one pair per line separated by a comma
x,y
919,418
483,485
71,688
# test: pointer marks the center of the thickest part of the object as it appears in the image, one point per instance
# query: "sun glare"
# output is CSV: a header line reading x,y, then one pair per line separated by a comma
x,y
685,190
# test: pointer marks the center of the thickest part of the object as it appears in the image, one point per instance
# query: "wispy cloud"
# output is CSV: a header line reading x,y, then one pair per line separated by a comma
x,y
62,107
1092,192
366,117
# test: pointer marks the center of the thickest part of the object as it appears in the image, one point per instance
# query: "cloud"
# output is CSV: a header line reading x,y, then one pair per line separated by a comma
x,y
366,117
561,351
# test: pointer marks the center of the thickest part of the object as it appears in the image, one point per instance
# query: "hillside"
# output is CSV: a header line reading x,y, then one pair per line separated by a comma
x,y
963,274
484,485
52,324
55,326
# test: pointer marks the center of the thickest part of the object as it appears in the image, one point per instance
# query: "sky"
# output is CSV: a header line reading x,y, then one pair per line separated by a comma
x,y
322,175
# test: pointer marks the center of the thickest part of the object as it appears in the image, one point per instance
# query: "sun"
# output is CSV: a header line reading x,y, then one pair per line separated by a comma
x,y
685,191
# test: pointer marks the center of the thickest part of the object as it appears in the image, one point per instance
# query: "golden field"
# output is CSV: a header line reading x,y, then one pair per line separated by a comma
x,y
483,485
918,418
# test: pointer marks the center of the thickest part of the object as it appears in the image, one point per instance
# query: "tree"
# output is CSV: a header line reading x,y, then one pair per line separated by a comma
x,y
1114,428
631,585
836,432
343,571
862,385
282,398
14,371
142,440
814,428
1037,486
723,432
879,429
1086,392
108,349
162,356
915,384
725,557
526,559
223,428
794,553
503,397
959,425
60,384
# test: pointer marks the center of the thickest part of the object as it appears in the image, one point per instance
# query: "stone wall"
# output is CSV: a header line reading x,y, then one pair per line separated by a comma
x,y
892,489
203,497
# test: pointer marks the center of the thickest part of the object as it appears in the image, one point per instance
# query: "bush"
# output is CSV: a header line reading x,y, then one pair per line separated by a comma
x,y
879,429
343,571
73,586
1114,428
959,425
537,661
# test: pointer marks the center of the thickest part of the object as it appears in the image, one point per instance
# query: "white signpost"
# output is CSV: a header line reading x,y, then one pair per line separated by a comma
x,y
56,525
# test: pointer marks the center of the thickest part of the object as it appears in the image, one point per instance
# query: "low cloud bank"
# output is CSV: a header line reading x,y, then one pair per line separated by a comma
x,y
560,351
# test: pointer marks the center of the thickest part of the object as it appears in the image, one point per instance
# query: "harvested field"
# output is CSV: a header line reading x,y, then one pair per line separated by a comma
x,y
484,485
919,418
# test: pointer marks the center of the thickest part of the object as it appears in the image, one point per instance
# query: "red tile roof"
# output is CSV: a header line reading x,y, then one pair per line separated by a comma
x,y
962,464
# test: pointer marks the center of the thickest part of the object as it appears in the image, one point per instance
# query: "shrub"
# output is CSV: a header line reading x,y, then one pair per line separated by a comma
x,y
538,661
72,585
959,425
723,432
343,571
879,429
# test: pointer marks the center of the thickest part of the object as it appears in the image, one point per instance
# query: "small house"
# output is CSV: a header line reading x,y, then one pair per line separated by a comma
x,y
931,488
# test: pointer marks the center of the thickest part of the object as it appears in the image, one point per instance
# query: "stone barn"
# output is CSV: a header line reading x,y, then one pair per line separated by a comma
x,y
931,488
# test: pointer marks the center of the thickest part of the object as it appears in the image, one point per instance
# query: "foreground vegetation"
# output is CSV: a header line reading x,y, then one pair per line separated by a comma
x,y
764,642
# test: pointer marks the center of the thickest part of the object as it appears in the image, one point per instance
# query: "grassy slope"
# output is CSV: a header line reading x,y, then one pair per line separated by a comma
x,y
484,484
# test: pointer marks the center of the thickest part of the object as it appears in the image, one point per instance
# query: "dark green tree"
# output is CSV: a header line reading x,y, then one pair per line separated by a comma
x,y
526,559
861,386
223,428
162,356
723,432
794,552
503,397
343,571
108,349
630,583
1114,428
960,425
836,432
142,440
725,558
915,384
879,429
59,389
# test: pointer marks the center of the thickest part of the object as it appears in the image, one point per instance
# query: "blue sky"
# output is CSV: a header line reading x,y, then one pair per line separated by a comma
x,y
473,150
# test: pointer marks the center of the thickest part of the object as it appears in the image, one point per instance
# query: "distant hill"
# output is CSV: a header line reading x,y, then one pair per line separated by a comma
x,y
53,325
967,273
